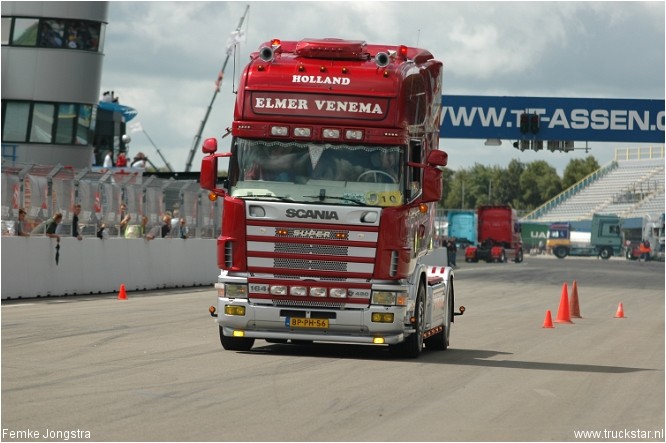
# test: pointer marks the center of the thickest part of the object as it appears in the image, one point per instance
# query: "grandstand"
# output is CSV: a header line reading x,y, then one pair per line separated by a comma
x,y
631,186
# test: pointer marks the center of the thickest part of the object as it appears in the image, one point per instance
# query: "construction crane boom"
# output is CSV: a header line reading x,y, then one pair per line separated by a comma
x,y
197,138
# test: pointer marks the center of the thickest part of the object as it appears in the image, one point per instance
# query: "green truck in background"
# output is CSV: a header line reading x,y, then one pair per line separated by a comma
x,y
604,240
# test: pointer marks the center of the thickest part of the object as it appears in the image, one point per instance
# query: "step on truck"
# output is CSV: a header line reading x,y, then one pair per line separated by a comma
x,y
499,238
604,240
328,230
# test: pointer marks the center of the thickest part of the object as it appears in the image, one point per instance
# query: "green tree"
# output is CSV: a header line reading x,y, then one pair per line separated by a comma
x,y
539,183
577,169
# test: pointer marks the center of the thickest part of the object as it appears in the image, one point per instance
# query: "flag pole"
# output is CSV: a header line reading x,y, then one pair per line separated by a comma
x,y
197,138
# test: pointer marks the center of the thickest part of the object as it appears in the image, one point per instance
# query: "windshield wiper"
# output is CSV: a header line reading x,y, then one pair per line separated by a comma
x,y
278,197
347,199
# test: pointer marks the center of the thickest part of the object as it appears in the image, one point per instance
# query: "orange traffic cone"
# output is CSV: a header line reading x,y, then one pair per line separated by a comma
x,y
122,295
563,315
548,321
573,307
620,311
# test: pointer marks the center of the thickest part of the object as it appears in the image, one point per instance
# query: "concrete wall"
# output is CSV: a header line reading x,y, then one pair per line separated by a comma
x,y
93,266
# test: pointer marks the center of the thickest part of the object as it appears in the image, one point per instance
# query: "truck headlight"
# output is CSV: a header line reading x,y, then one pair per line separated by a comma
x,y
389,298
233,290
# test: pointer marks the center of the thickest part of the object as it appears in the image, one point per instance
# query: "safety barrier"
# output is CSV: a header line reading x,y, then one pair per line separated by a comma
x,y
94,266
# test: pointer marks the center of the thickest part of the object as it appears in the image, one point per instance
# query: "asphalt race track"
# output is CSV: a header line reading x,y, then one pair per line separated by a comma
x,y
151,368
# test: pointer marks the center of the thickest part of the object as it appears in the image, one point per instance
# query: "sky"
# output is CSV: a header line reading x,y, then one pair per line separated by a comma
x,y
162,58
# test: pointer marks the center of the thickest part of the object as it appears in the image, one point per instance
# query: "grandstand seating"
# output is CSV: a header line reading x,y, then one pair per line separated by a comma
x,y
630,188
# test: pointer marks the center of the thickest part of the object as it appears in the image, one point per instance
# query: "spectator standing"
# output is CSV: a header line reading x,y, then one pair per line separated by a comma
x,y
124,219
166,225
451,250
19,224
100,231
121,162
139,161
75,222
183,231
52,225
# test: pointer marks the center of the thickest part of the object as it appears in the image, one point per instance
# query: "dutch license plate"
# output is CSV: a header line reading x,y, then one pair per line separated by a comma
x,y
310,323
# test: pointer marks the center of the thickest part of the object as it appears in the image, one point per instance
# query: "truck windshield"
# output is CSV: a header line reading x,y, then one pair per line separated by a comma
x,y
317,172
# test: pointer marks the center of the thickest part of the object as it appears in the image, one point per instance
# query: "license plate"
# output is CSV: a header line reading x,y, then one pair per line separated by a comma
x,y
309,323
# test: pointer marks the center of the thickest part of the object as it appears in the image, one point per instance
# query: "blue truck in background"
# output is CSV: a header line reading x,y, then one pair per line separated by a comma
x,y
463,227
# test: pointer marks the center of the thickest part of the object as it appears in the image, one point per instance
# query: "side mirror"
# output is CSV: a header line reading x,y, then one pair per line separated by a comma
x,y
432,184
209,146
208,176
438,158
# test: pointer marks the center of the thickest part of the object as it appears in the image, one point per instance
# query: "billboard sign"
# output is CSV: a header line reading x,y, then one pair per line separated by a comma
x,y
565,119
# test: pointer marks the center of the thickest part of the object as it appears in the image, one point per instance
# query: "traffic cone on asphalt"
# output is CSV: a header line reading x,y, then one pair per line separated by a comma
x,y
548,321
563,315
620,311
573,307
122,295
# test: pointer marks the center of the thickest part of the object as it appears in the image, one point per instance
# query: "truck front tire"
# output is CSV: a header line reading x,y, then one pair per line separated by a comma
x,y
413,344
235,343
560,252
605,253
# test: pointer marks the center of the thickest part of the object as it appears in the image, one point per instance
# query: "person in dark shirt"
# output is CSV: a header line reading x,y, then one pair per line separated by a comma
x,y
19,224
166,225
75,222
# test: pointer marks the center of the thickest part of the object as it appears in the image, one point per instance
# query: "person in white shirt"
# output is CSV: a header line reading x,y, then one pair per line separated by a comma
x,y
139,161
108,160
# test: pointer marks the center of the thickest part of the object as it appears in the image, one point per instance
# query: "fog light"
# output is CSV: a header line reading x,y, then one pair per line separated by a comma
x,y
234,310
378,340
382,317
239,333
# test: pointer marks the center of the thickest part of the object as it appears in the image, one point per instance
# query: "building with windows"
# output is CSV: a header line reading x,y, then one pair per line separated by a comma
x,y
52,54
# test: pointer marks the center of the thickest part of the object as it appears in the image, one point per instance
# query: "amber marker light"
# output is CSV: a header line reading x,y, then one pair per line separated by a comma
x,y
212,196
423,208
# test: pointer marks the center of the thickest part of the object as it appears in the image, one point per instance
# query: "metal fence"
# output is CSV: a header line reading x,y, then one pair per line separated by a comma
x,y
45,190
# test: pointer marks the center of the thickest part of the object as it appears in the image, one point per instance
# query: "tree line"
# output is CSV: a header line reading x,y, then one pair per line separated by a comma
x,y
524,186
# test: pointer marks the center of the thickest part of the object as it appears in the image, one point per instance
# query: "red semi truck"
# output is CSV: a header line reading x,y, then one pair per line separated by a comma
x,y
499,236
328,230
